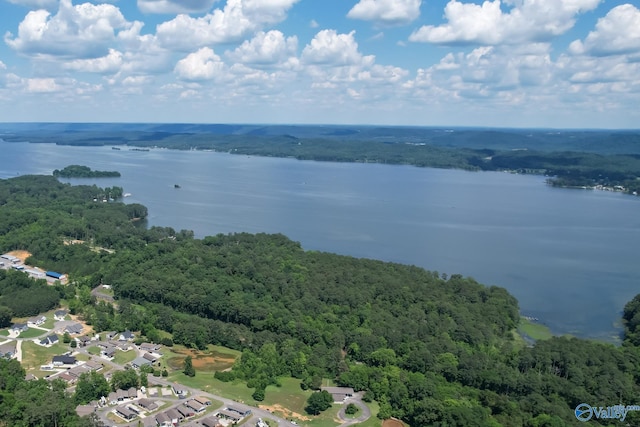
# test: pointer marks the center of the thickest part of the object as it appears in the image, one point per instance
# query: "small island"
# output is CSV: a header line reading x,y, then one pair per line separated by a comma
x,y
77,171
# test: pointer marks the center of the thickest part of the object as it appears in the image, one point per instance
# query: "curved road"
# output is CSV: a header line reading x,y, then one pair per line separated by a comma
x,y
356,400
257,412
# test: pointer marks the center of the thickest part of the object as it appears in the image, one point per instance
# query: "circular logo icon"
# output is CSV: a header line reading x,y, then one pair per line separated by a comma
x,y
583,412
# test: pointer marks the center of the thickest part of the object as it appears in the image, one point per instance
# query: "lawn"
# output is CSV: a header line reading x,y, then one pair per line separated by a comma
x,y
289,395
534,330
32,333
4,333
205,381
95,350
50,322
124,357
34,355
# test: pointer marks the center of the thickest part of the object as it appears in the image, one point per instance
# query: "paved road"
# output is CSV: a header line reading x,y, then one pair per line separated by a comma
x,y
257,412
356,400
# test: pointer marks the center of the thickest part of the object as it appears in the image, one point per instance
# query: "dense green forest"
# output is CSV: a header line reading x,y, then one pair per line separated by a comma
x,y
36,403
78,171
432,349
571,158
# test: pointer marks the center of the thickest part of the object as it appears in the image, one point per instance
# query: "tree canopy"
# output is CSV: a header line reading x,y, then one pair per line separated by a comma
x,y
432,350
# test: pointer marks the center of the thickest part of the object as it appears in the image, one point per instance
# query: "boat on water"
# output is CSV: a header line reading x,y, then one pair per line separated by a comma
x,y
176,186
126,195
115,148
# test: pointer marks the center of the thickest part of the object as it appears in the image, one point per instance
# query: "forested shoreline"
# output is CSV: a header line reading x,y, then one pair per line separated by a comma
x,y
430,348
571,159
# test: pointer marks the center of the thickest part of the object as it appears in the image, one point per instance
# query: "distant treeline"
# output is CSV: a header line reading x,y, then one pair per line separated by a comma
x,y
77,171
569,158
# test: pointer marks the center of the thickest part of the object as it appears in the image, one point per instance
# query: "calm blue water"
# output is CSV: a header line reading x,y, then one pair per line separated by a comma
x,y
569,256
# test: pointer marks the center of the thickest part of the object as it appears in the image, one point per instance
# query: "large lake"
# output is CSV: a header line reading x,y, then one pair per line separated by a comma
x,y
569,256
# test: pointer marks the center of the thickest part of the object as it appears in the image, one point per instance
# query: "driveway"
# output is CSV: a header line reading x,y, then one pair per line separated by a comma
x,y
364,409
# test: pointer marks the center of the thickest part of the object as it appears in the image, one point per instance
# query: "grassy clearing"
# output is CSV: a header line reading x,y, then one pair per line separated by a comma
x,y
214,358
289,395
205,381
4,333
534,330
32,333
124,357
34,355
95,350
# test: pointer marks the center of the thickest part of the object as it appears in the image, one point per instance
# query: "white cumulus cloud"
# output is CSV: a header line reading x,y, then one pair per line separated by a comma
x,y
110,63
82,31
616,33
201,65
486,24
267,49
236,20
42,85
175,6
386,12
329,47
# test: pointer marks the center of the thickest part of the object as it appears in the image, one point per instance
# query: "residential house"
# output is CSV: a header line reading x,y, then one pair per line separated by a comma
x,y
196,406
84,410
94,366
127,336
149,347
185,411
163,420
132,393
174,416
60,314
49,340
36,321
110,335
232,416
126,413
139,362
19,327
202,400
108,352
150,357
83,341
74,329
112,398
179,391
210,422
68,378
122,345
148,404
8,350
339,394
63,360
79,370
122,395
241,412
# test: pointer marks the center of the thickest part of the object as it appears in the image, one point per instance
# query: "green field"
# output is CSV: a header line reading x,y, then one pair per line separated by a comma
x,y
4,333
34,355
124,357
534,330
32,333
95,350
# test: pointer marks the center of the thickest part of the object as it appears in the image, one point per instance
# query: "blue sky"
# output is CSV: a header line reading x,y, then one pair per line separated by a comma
x,y
506,63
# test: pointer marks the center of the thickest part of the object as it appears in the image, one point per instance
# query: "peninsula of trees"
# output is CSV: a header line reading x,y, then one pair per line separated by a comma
x,y
78,171
431,349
